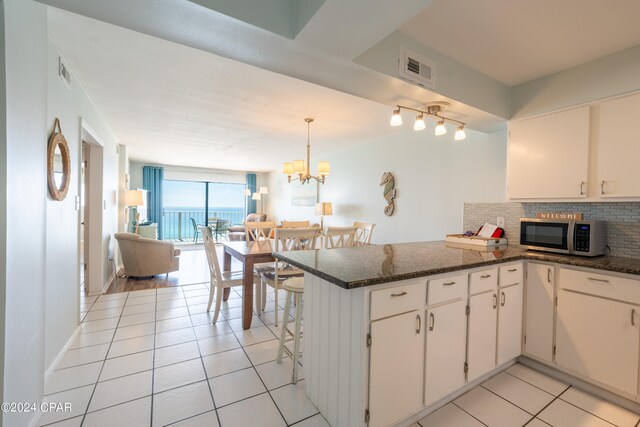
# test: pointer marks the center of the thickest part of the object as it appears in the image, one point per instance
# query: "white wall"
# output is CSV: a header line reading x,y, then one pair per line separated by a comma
x,y
25,25
74,108
434,176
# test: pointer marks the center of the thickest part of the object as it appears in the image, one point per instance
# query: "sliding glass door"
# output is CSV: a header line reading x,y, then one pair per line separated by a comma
x,y
188,204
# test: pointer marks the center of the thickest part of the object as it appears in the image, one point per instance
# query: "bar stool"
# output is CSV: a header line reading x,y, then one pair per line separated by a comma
x,y
295,290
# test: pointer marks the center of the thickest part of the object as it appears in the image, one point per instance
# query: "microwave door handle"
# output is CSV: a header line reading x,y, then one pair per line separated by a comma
x,y
570,235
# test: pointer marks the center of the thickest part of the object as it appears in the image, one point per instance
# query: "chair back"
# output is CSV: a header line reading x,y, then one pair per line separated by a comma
x,y
340,237
258,231
212,257
364,231
295,239
296,224
193,223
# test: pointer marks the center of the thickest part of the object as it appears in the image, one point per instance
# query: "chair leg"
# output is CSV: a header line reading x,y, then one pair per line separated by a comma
x,y
283,332
263,289
212,289
296,338
259,298
220,291
275,290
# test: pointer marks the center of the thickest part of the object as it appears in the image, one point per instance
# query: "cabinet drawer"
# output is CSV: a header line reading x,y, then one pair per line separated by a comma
x,y
483,281
399,299
600,284
510,274
447,288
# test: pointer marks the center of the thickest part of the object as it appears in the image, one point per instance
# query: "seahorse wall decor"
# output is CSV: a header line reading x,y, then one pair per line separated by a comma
x,y
389,183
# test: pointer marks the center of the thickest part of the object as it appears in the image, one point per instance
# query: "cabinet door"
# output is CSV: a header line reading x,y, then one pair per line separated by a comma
x,y
547,156
619,148
446,332
481,353
510,323
538,332
598,338
396,368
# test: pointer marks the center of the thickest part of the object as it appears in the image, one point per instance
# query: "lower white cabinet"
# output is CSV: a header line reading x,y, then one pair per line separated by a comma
x,y
481,350
396,366
445,357
510,323
539,292
599,339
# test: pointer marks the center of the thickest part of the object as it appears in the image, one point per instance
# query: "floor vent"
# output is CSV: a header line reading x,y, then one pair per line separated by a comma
x,y
416,69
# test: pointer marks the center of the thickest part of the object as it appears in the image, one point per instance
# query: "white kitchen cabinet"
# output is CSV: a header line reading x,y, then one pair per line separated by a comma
x,y
547,156
445,356
599,339
481,350
618,148
539,309
396,365
510,323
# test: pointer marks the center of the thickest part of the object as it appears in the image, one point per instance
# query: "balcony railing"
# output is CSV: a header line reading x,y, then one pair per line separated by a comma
x,y
177,225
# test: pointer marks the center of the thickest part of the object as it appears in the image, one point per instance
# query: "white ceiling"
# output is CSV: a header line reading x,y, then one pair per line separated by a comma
x,y
514,41
171,104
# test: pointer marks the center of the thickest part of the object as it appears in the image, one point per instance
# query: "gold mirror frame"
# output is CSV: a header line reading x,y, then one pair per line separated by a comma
x,y
57,140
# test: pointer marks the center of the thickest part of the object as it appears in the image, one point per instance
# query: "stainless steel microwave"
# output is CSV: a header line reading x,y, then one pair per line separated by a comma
x,y
564,236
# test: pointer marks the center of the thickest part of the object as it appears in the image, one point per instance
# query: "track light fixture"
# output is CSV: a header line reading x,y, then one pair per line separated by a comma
x,y
432,110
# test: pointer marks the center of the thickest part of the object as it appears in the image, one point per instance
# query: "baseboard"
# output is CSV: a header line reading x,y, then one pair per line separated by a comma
x,y
453,396
109,282
581,384
35,420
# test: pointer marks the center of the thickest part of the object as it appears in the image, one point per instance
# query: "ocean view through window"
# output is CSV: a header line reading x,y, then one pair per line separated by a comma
x,y
189,202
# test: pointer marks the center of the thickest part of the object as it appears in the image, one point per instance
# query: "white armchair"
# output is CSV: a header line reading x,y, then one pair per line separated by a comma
x,y
146,257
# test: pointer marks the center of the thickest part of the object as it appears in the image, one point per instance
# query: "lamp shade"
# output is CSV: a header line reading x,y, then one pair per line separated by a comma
x,y
246,192
419,123
460,135
440,129
324,208
396,118
133,198
256,196
287,168
264,190
299,167
324,168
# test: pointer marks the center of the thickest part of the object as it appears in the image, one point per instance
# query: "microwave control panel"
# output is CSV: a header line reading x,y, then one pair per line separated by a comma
x,y
582,237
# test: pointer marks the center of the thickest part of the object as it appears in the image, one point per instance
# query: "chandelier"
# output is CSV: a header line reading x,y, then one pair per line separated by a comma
x,y
301,168
434,110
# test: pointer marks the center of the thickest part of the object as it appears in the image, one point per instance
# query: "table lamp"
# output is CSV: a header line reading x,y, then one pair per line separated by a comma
x,y
133,198
322,209
257,196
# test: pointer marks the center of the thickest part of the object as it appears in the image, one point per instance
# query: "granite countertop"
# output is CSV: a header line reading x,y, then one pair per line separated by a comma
x,y
360,266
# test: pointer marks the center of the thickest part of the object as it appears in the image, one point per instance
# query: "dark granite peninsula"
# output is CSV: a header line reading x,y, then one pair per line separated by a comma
x,y
392,332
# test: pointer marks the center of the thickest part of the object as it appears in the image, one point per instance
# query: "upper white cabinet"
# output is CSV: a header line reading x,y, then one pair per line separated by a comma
x,y
619,148
547,156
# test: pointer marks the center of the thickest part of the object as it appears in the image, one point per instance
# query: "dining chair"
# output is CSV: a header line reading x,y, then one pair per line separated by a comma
x,y
258,231
219,280
295,224
286,239
339,237
196,231
221,228
364,231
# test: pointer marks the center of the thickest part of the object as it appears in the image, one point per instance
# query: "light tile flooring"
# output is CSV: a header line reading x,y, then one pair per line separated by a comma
x,y
153,358
522,396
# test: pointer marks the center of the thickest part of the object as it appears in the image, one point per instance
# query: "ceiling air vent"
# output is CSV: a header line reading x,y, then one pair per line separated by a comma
x,y
63,72
416,69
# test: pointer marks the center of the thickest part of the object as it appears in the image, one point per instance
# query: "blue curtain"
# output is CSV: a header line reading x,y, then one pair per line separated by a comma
x,y
152,177
251,185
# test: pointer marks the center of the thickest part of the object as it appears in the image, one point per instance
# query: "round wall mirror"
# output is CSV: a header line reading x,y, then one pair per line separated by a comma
x,y
58,164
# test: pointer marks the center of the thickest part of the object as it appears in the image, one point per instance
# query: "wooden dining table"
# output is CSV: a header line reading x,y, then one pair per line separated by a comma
x,y
249,254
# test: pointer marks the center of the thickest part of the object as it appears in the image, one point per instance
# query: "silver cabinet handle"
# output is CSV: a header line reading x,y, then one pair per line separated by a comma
x,y
633,317
432,321
503,299
595,279
549,275
485,276
581,188
403,293
448,283
495,301
602,187
419,319
511,270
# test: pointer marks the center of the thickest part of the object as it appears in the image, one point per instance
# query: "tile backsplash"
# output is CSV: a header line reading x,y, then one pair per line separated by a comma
x,y
623,220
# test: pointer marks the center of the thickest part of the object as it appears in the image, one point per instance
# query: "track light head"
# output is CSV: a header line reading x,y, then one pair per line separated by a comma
x,y
396,118
440,129
460,134
419,123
